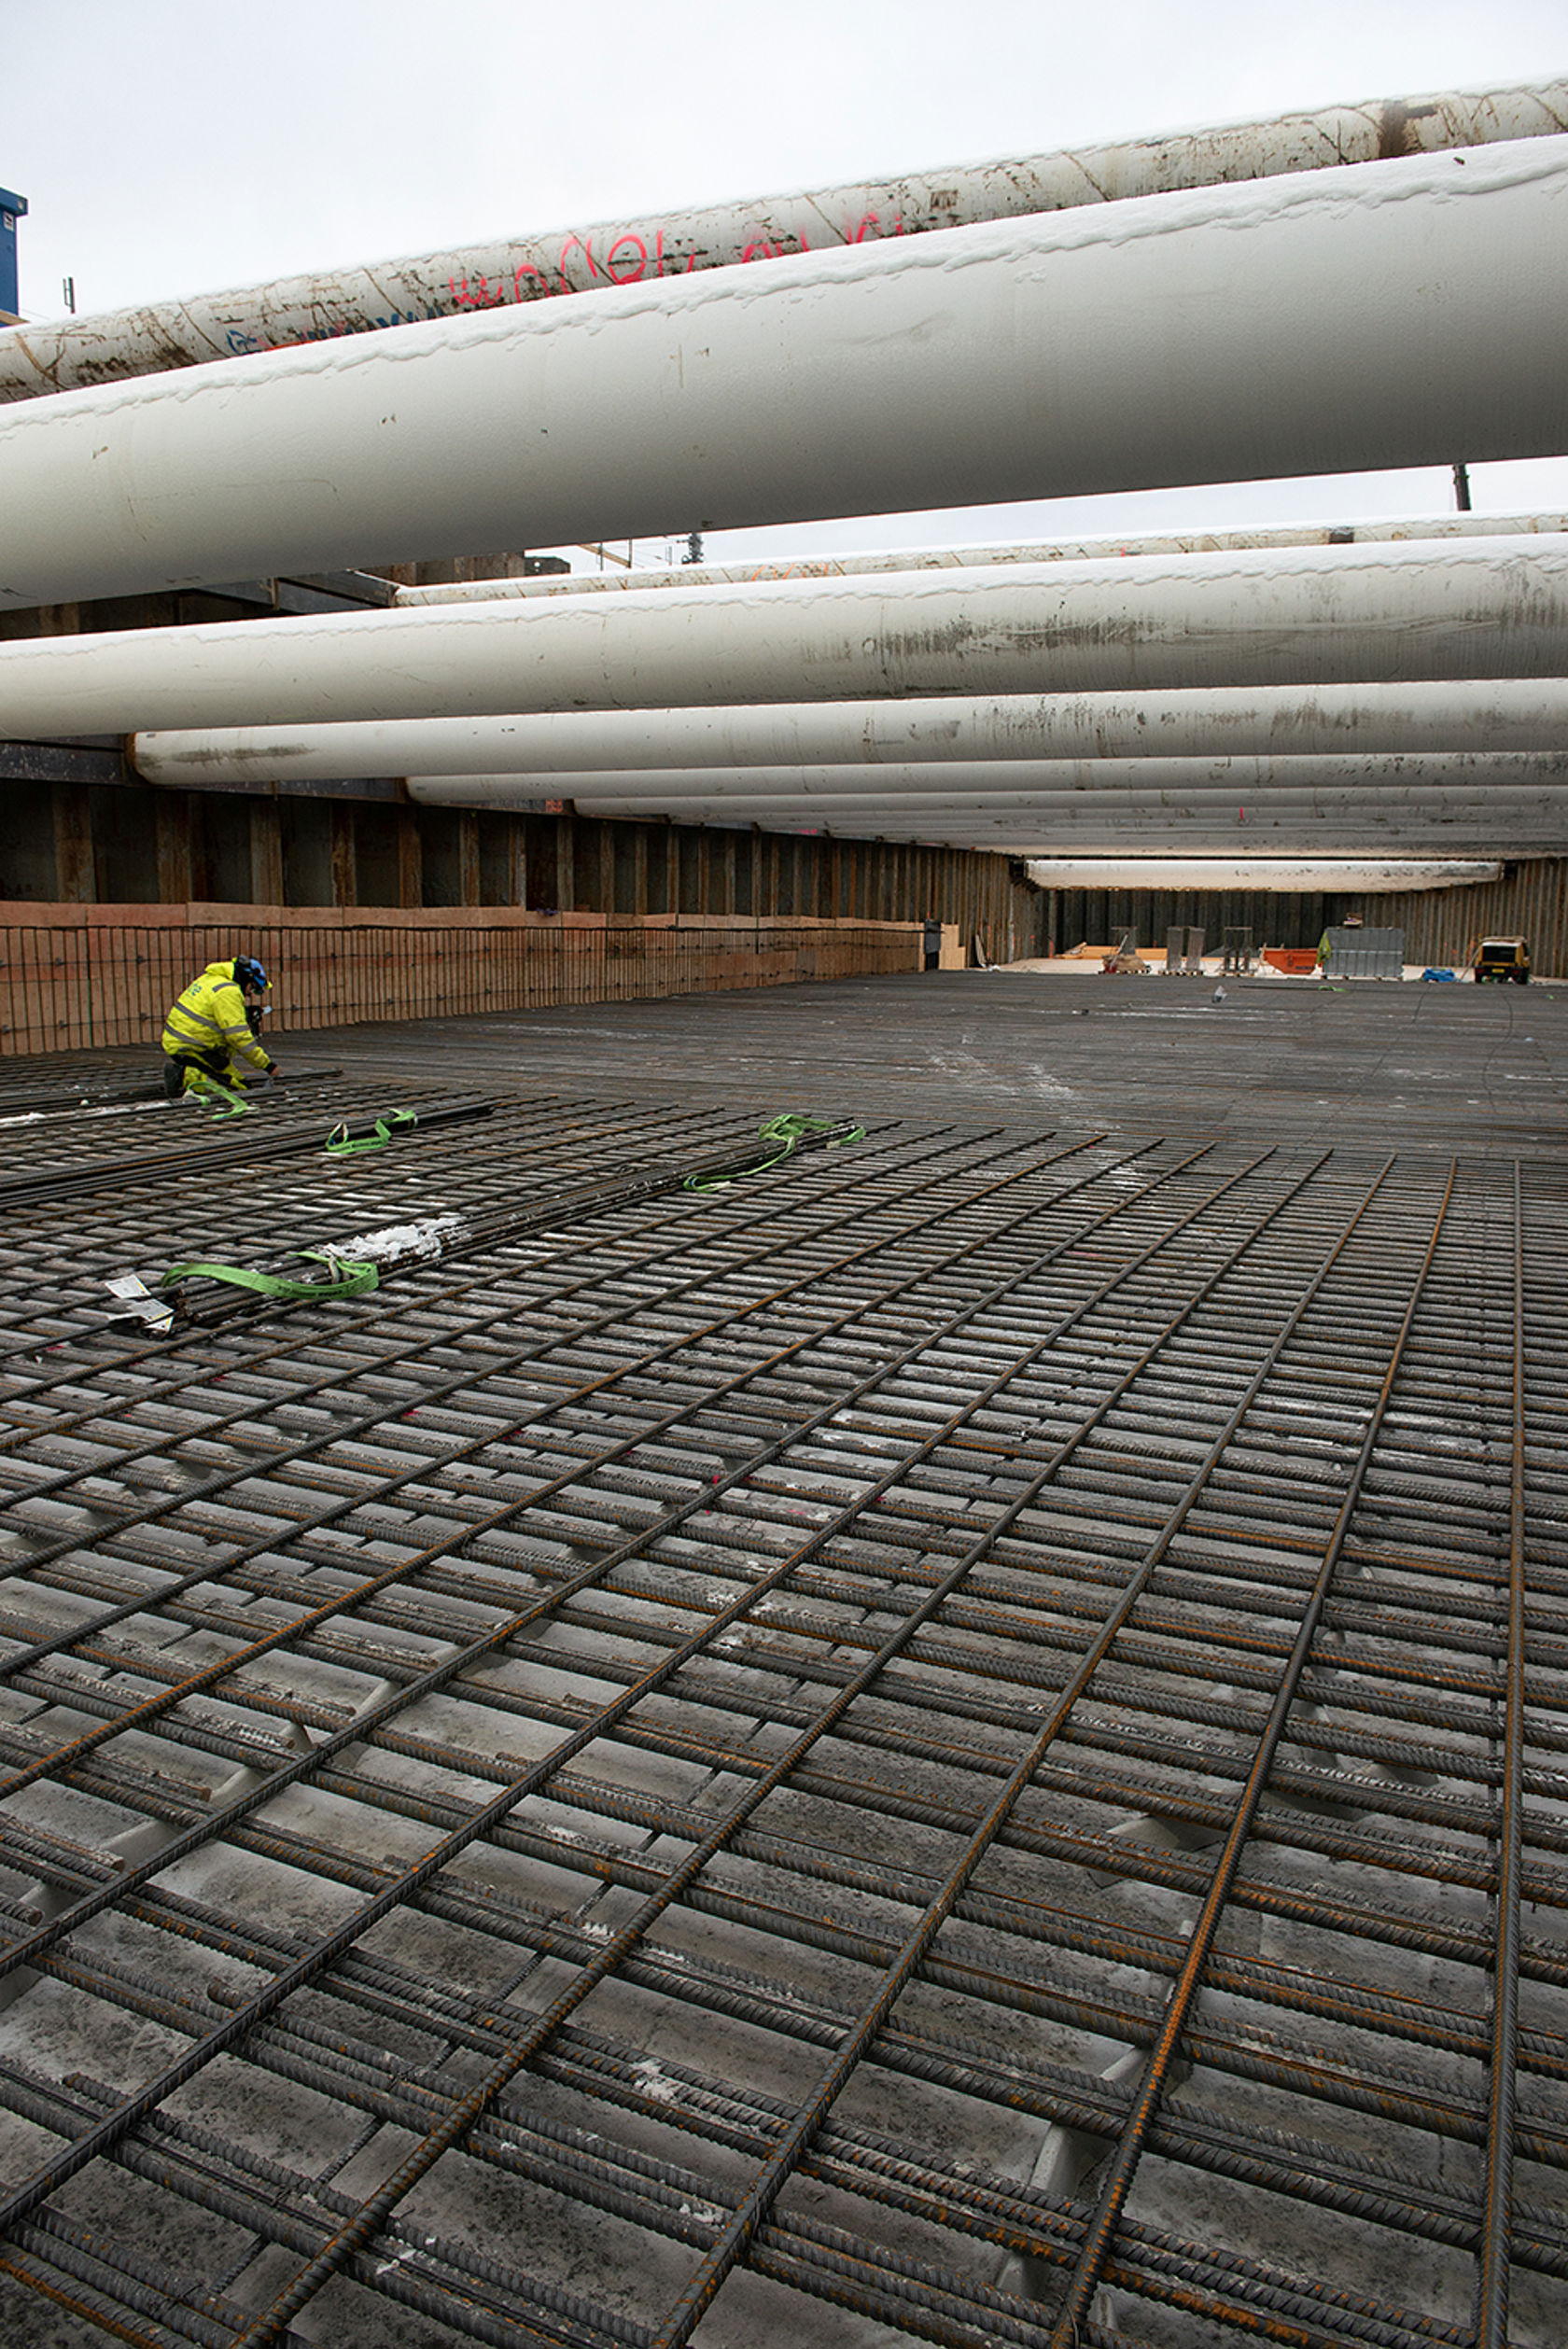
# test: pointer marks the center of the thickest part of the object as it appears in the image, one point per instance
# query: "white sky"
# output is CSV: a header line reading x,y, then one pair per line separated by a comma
x,y
174,147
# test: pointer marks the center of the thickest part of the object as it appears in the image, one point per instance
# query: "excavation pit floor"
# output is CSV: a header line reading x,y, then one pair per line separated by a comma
x,y
959,1733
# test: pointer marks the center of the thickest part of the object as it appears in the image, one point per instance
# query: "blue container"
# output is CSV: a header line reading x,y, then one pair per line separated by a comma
x,y
11,210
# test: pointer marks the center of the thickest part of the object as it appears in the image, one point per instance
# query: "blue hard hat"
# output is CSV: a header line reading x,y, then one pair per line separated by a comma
x,y
250,975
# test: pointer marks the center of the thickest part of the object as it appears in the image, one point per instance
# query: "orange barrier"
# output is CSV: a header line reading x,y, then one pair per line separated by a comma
x,y
1300,961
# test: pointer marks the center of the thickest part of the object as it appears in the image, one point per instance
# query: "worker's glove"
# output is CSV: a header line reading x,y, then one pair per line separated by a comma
x,y
272,1069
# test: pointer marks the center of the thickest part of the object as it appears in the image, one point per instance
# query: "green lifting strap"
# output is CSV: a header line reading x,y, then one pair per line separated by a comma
x,y
786,1131
349,1279
210,1092
394,1121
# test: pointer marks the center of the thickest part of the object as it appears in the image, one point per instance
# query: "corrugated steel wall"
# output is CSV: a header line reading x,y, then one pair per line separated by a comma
x,y
1098,917
1529,901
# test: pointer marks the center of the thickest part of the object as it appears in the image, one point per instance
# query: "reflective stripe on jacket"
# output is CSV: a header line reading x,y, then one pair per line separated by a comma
x,y
210,1016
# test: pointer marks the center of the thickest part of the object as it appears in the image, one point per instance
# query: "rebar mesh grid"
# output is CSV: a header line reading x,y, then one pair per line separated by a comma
x,y
964,1741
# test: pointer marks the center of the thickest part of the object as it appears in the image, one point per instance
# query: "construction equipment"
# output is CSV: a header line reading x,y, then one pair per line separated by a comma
x,y
1499,958
1123,958
1351,951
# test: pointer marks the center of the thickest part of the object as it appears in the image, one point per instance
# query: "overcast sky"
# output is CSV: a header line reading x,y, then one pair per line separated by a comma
x,y
174,147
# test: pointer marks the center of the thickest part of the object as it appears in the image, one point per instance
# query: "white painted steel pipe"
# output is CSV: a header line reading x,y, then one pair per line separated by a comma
x,y
1286,876
1027,842
1413,824
1322,829
1387,315
964,783
1304,615
1100,550
308,309
1481,802
491,754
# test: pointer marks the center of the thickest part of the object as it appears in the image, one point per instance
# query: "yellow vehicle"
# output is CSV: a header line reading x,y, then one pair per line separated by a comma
x,y
1500,958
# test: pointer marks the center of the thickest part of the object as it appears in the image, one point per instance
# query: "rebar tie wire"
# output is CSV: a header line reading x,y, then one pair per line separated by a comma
x,y
758,2203
172,1503
66,1756
15,1433
1492,2282
1101,2228
602,1961
65,2165
168,1856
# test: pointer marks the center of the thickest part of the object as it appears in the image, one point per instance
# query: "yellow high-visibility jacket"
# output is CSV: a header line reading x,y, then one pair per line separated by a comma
x,y
210,1016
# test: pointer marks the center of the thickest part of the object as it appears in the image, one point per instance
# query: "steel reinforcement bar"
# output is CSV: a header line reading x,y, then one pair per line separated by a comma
x,y
965,1740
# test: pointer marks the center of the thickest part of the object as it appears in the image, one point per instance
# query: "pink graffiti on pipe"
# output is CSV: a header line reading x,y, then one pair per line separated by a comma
x,y
634,254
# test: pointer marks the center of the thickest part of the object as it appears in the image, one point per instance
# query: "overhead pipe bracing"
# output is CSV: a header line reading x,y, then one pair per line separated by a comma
x,y
1418,822
495,759
1281,876
151,339
1490,810
1424,819
1306,615
1171,339
955,783
1307,534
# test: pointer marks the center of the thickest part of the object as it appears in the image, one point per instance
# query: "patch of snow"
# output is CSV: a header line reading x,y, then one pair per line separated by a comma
x,y
653,2082
396,1240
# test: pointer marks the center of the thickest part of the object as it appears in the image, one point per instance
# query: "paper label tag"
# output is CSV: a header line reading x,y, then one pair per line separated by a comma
x,y
135,1292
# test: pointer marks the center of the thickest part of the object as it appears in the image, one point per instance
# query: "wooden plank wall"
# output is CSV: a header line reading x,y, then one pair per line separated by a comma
x,y
76,975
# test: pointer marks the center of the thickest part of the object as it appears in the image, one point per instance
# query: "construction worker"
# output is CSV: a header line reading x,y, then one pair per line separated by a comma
x,y
212,1030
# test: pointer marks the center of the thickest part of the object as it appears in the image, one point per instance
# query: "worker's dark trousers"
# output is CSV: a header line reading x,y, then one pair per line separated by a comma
x,y
211,1064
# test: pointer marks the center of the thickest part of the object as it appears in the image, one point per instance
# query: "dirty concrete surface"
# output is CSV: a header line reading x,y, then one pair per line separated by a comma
x,y
844,1473
1436,1067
